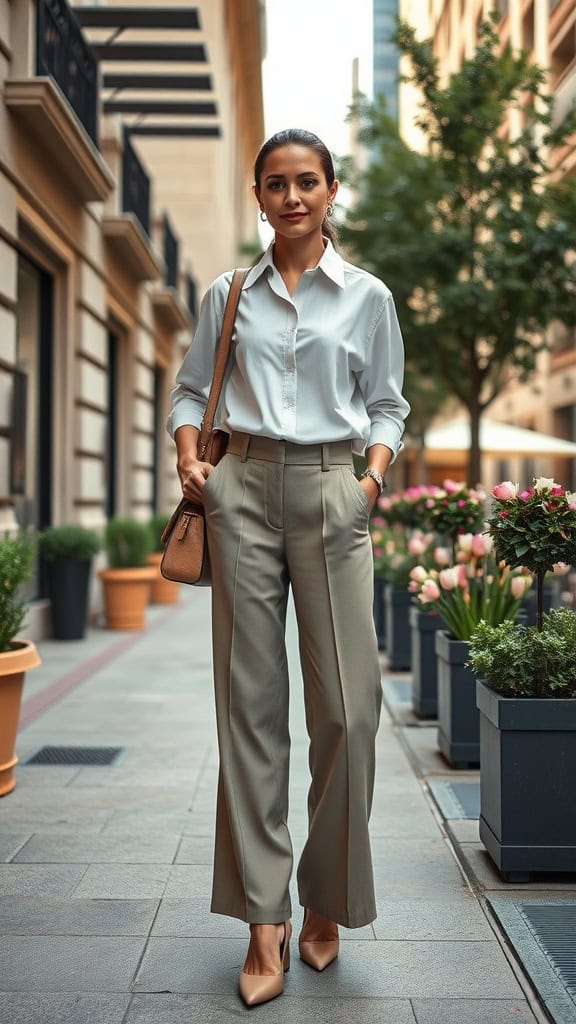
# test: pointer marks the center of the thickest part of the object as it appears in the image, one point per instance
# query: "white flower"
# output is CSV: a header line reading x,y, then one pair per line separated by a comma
x,y
544,483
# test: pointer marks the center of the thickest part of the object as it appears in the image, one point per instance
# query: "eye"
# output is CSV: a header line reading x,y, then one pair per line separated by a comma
x,y
275,186
309,182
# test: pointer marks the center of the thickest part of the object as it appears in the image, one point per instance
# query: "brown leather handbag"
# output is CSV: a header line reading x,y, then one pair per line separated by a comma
x,y
185,558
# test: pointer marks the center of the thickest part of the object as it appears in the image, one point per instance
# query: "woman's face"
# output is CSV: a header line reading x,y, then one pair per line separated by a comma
x,y
293,191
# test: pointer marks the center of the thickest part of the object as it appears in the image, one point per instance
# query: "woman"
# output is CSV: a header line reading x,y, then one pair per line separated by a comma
x,y
316,374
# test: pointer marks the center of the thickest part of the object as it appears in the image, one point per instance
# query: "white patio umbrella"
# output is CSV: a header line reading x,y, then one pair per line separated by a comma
x,y
453,437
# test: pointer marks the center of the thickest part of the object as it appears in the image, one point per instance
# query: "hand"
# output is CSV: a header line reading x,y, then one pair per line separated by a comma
x,y
370,488
193,475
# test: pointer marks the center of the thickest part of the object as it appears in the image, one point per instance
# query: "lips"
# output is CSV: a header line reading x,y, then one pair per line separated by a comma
x,y
293,216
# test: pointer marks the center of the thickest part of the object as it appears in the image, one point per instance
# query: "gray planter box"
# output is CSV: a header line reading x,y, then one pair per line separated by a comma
x,y
379,611
398,645
424,626
458,715
527,802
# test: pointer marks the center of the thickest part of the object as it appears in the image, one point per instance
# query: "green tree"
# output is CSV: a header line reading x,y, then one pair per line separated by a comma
x,y
475,236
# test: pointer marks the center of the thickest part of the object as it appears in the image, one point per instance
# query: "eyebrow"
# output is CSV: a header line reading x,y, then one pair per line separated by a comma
x,y
304,174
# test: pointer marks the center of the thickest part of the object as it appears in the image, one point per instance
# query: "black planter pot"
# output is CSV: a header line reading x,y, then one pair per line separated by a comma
x,y
68,591
528,758
398,645
458,716
424,626
379,611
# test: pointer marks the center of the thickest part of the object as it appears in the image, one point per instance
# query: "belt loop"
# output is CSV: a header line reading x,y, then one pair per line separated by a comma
x,y
325,457
245,447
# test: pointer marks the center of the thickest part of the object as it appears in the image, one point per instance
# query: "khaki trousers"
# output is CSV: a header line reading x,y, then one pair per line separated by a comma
x,y
281,514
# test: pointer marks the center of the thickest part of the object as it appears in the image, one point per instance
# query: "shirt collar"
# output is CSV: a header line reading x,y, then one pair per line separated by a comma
x,y
330,263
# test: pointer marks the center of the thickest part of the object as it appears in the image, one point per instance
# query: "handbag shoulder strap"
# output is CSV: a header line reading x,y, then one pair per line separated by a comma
x,y
222,354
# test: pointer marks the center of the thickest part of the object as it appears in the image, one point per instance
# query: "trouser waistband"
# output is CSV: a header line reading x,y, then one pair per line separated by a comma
x,y
268,449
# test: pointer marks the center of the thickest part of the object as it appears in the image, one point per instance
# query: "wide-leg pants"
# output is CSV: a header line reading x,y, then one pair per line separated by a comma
x,y
281,514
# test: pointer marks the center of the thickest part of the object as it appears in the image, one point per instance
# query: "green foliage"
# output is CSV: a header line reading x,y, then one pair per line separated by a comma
x,y
473,236
156,528
127,543
16,555
520,661
68,541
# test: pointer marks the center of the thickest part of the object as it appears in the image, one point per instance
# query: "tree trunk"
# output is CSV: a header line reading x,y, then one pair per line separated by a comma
x,y
474,455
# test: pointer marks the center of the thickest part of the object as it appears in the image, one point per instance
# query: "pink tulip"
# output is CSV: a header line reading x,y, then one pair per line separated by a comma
x,y
430,592
481,545
462,576
442,556
505,491
418,573
450,486
465,542
430,503
449,578
519,585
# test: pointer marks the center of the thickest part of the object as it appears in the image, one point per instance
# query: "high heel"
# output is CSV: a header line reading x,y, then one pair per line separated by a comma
x,y
259,988
317,953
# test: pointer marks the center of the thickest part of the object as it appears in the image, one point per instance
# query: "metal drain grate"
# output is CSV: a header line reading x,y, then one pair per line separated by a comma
x,y
75,755
456,800
543,934
554,928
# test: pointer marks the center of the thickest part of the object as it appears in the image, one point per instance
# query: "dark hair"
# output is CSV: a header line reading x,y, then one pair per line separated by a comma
x,y
300,137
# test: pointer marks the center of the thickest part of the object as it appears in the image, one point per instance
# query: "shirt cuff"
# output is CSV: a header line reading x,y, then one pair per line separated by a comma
x,y
186,412
388,434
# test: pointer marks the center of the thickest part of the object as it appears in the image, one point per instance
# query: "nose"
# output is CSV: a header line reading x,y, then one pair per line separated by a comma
x,y
292,197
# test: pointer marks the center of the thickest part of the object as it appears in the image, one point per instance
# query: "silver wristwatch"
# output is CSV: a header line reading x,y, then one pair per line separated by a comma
x,y
376,477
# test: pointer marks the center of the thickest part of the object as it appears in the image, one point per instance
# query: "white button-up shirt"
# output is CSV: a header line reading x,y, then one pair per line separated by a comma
x,y
325,364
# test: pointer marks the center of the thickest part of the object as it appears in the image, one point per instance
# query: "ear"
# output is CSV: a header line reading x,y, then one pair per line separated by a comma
x,y
256,193
333,190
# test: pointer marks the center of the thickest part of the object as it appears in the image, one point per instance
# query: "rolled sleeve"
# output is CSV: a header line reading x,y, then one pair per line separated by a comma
x,y
381,380
190,395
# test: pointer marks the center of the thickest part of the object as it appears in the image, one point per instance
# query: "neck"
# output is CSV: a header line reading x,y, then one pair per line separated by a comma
x,y
297,254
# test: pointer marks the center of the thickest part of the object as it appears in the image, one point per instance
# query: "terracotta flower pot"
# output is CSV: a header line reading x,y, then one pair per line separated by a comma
x,y
162,591
126,593
13,666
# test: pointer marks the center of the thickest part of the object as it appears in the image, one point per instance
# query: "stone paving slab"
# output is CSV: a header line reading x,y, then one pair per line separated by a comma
x,y
472,1011
24,915
122,881
190,1009
11,843
62,1008
378,969
115,848
62,963
40,879
432,918
191,918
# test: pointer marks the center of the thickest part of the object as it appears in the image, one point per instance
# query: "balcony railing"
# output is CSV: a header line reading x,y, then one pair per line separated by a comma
x,y
135,185
170,255
62,53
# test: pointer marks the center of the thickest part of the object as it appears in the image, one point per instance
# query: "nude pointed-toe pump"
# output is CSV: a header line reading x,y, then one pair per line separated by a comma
x,y
259,988
317,953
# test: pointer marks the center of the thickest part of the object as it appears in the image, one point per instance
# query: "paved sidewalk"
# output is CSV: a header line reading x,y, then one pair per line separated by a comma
x,y
105,871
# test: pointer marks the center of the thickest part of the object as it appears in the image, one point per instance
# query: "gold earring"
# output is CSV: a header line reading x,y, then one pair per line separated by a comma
x,y
263,216
329,210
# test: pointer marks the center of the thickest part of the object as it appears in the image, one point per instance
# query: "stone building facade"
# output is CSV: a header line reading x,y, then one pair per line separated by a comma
x,y
109,234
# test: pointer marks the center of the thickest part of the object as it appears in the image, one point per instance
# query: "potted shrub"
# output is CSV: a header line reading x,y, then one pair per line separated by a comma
x,y
526,693
163,591
128,579
68,551
16,656
476,588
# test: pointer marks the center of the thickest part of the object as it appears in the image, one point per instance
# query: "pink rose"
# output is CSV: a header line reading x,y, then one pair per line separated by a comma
x,y
461,503
450,486
430,503
505,491
524,495
416,546
378,552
